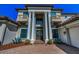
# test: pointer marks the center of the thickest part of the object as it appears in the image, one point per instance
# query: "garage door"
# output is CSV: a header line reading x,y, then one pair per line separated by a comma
x,y
74,34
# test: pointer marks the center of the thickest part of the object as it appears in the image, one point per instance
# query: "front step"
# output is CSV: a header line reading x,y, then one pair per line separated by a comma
x,y
39,42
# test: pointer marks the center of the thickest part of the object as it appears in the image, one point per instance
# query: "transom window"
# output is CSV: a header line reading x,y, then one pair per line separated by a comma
x,y
39,22
23,33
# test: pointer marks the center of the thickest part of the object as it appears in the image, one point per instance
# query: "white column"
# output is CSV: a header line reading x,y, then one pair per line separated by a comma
x,y
50,28
46,28
33,27
29,26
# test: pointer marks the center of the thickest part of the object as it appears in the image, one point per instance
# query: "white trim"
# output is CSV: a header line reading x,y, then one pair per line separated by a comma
x,y
39,10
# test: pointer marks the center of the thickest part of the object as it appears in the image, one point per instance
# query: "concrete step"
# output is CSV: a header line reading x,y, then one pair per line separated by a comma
x,y
39,42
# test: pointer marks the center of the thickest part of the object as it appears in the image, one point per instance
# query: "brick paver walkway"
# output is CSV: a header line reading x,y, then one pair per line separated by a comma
x,y
42,49
34,49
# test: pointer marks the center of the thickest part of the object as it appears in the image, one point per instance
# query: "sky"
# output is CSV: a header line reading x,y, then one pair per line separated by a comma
x,y
10,9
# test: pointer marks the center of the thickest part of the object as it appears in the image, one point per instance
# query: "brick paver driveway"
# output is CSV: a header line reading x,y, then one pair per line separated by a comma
x,y
36,49
40,49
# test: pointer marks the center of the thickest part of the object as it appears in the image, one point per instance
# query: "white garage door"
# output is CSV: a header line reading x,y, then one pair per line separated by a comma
x,y
74,34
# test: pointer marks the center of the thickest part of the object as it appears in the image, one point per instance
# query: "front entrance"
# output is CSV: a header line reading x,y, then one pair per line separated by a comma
x,y
39,25
39,34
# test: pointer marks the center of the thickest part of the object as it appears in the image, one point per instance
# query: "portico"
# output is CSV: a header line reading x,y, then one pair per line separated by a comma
x,y
39,22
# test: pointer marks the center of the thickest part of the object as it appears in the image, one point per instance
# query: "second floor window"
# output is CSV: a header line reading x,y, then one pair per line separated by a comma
x,y
25,14
53,13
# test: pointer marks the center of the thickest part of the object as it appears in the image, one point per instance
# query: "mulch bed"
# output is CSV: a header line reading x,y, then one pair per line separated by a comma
x,y
9,46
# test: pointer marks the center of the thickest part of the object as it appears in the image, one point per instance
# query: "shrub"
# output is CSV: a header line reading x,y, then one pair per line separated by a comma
x,y
16,40
49,41
57,41
25,41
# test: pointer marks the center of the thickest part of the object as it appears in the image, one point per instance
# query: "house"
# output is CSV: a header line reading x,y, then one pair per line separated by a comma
x,y
41,22
37,22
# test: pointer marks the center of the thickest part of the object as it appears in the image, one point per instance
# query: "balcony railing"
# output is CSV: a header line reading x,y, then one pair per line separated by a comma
x,y
56,18
22,18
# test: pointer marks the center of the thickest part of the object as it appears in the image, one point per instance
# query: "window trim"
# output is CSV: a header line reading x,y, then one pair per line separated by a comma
x,y
20,33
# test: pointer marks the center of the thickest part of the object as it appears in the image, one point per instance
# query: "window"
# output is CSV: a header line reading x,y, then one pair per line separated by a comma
x,y
53,13
65,17
23,33
25,13
55,33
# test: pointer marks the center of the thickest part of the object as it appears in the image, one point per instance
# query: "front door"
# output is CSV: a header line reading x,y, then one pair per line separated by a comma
x,y
39,34
39,25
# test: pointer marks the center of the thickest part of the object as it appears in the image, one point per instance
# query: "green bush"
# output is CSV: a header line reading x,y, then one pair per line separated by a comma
x,y
57,41
16,40
25,41
49,41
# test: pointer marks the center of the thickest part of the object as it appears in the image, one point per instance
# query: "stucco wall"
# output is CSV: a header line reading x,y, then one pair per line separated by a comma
x,y
2,29
9,36
63,36
18,33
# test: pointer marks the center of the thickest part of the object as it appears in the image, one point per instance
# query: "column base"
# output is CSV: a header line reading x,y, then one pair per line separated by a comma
x,y
28,38
46,40
32,41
